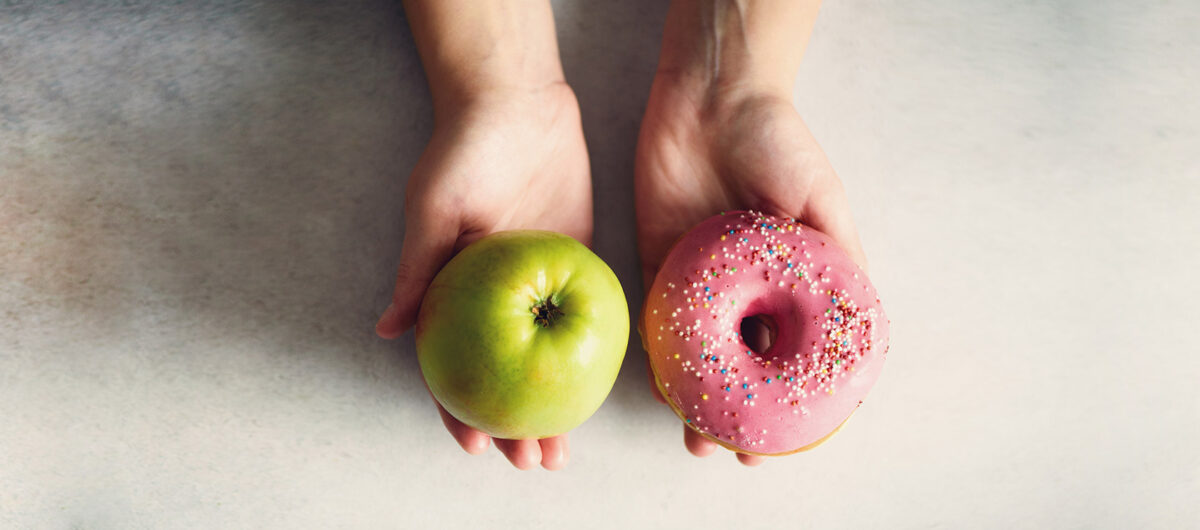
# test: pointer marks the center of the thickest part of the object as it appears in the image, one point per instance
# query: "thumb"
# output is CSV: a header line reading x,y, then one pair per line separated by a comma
x,y
428,245
829,212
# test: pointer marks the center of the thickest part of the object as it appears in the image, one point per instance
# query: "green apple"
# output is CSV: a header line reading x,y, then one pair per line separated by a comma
x,y
521,335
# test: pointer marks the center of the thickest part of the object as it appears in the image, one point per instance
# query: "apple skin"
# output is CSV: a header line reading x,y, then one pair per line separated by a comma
x,y
488,360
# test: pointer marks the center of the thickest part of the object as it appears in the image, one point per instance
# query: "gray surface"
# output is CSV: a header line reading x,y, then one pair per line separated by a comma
x,y
200,212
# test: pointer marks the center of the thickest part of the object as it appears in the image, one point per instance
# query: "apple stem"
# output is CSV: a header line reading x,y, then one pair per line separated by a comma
x,y
545,313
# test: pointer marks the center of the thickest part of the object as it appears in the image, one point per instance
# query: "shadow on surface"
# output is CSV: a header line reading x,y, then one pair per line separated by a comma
x,y
230,171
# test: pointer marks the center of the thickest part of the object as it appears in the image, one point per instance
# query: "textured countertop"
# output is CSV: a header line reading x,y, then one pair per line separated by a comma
x,y
201,211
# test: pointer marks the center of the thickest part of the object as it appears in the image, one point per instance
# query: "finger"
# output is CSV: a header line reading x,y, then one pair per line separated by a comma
x,y
472,441
696,444
829,212
554,452
749,460
428,245
647,281
654,384
524,454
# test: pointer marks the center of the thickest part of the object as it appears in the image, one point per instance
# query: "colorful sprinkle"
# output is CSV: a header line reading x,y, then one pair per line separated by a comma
x,y
842,333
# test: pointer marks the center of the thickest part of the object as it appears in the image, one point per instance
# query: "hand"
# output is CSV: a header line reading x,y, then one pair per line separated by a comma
x,y
706,149
507,152
509,160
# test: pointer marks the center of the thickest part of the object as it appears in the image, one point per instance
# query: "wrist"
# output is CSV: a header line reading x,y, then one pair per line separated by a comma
x,y
475,51
481,90
503,105
720,73
730,47
708,93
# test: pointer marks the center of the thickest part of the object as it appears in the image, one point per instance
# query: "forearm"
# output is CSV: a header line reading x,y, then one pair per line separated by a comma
x,y
737,44
470,49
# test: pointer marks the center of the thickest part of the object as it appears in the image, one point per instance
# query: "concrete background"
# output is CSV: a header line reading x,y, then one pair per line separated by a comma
x,y
201,210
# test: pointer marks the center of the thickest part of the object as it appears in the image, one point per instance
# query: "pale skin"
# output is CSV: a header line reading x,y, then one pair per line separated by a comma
x,y
507,152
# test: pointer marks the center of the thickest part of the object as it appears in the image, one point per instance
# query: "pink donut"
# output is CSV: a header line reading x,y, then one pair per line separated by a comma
x,y
831,335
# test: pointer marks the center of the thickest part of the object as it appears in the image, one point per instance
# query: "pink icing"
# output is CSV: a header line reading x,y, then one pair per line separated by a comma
x,y
832,334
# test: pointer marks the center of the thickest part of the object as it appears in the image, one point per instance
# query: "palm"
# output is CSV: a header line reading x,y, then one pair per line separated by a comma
x,y
698,158
517,162
694,162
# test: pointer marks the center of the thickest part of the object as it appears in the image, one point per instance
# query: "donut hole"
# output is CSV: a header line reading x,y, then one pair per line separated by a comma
x,y
759,332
